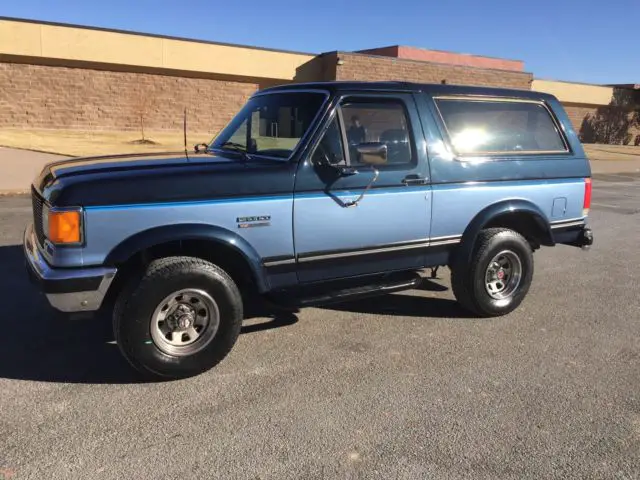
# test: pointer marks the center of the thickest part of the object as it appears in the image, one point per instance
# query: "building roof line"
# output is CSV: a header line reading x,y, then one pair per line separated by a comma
x,y
571,81
152,35
443,51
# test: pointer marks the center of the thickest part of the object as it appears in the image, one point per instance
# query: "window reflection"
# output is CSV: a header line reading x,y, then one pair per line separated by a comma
x,y
499,126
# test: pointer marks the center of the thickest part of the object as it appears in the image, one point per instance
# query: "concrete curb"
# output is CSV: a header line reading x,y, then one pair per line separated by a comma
x,y
9,193
35,150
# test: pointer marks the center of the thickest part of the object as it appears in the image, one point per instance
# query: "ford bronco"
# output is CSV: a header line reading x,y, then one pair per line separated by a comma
x,y
313,193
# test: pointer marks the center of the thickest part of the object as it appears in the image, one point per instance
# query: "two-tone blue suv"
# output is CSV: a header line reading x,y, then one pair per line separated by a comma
x,y
312,193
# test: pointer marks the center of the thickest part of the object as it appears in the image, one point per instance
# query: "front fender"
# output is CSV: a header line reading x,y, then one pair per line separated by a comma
x,y
169,233
503,209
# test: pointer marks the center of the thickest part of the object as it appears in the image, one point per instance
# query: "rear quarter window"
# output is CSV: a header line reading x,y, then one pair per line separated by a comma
x,y
499,126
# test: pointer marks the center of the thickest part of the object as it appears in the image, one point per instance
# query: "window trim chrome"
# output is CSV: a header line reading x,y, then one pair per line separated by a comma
x,y
463,157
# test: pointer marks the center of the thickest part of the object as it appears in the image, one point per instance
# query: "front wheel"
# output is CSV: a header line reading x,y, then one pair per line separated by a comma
x,y
182,318
498,275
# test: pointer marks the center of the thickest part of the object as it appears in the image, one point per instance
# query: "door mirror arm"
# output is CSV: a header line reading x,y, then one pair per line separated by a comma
x,y
372,154
347,171
354,203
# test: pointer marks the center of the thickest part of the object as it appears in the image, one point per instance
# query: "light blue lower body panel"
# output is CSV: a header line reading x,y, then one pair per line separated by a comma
x,y
331,239
455,205
273,237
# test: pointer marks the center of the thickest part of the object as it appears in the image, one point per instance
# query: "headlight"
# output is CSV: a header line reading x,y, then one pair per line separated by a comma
x,y
62,226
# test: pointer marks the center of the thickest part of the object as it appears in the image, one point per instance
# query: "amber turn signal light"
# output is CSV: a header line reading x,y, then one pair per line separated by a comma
x,y
64,227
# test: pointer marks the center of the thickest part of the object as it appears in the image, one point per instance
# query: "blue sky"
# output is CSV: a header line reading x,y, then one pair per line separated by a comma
x,y
583,41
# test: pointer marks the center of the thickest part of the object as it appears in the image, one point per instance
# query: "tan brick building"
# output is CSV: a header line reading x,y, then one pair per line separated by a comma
x,y
70,77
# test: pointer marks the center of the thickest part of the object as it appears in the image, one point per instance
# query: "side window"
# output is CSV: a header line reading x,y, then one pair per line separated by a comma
x,y
383,121
330,148
486,126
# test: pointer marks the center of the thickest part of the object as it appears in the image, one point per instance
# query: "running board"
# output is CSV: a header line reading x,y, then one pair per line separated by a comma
x,y
395,283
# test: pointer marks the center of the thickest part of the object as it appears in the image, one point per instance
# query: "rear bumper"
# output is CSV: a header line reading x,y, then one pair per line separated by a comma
x,y
576,234
66,289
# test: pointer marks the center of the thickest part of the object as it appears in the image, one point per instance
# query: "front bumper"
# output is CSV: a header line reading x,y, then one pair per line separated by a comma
x,y
67,289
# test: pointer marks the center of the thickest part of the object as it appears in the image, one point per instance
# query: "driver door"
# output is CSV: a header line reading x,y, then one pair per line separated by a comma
x,y
356,210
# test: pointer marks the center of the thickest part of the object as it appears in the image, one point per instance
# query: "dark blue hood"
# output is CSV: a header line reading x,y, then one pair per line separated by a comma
x,y
157,178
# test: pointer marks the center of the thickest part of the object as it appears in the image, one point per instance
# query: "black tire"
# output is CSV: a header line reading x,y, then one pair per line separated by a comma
x,y
141,295
468,277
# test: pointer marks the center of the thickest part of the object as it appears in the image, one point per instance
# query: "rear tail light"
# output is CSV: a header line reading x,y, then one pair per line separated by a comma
x,y
587,197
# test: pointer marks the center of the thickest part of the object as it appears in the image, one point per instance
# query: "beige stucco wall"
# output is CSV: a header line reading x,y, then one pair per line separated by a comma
x,y
57,42
82,44
580,93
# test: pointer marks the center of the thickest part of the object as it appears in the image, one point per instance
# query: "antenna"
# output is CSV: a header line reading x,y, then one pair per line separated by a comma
x,y
185,133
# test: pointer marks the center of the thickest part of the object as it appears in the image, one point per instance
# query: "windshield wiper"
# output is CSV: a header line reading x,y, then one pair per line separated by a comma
x,y
235,147
241,149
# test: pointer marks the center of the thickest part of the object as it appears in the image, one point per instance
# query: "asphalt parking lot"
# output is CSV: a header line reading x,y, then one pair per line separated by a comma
x,y
398,387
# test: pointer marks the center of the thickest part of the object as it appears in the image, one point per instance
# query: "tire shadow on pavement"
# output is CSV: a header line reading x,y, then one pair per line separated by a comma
x,y
38,343
267,320
402,305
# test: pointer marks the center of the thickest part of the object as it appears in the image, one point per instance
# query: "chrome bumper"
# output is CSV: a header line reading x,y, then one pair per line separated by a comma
x,y
67,289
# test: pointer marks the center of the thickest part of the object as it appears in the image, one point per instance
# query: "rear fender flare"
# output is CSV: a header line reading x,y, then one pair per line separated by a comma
x,y
503,209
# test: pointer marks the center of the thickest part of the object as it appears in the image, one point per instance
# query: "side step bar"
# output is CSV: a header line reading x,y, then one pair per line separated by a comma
x,y
393,283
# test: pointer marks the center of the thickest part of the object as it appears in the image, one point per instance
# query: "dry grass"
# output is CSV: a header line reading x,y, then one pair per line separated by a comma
x,y
612,152
86,143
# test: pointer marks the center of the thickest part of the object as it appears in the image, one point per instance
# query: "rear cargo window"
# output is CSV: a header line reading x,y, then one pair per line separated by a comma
x,y
499,127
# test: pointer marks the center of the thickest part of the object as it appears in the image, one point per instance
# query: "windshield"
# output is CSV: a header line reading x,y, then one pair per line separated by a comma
x,y
271,124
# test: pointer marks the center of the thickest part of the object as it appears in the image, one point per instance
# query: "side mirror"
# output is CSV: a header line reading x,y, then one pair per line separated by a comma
x,y
373,153
197,147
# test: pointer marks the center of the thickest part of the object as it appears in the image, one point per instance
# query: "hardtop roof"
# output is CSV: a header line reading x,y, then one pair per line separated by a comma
x,y
339,86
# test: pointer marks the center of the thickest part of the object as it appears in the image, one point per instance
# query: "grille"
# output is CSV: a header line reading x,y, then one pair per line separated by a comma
x,y
37,203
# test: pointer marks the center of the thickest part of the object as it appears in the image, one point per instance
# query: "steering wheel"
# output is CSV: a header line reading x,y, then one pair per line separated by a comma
x,y
325,157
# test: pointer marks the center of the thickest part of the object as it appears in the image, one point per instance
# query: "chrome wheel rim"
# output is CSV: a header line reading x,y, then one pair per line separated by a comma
x,y
185,322
503,275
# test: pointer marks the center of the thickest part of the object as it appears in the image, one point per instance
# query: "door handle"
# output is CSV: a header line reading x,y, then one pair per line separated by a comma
x,y
414,180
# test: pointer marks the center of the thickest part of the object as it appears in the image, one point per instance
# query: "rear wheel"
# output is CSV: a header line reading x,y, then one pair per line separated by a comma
x,y
180,319
498,275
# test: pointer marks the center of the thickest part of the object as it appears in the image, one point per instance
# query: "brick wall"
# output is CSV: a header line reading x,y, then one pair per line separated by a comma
x,y
368,67
577,114
35,96
608,119
319,69
39,96
452,58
